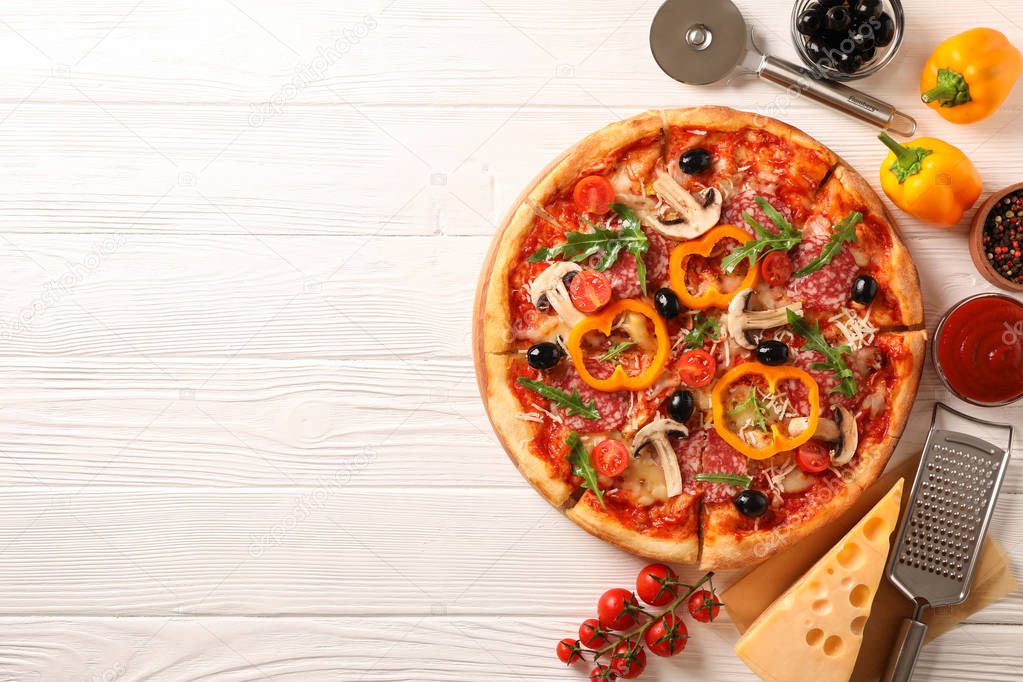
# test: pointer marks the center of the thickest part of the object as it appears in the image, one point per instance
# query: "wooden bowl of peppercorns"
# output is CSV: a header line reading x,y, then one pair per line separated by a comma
x,y
996,238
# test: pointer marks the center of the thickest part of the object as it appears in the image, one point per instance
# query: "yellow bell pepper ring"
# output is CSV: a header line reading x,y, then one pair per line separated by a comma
x,y
603,322
929,179
969,75
773,375
712,297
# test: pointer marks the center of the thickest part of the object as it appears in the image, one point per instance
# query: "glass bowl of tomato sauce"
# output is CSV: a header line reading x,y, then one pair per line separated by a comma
x,y
978,350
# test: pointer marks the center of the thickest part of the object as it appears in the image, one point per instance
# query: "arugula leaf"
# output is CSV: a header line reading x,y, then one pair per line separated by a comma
x,y
766,241
615,350
844,232
572,403
608,243
834,362
703,327
754,403
738,480
582,465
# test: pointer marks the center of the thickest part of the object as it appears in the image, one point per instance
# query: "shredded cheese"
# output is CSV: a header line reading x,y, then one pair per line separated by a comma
x,y
552,415
858,331
529,417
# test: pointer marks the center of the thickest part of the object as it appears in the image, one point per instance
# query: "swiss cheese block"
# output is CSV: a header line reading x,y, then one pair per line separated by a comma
x,y
813,632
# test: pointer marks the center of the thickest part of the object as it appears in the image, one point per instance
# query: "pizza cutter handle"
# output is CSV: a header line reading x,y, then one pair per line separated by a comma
x,y
836,95
907,649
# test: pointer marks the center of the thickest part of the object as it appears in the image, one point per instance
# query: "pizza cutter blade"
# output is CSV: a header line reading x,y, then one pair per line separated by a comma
x,y
699,42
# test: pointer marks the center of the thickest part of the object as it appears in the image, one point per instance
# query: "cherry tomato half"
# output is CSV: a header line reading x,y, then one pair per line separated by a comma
x,y
617,609
593,194
593,634
813,457
590,290
568,651
656,584
697,367
667,635
610,457
628,660
704,606
776,268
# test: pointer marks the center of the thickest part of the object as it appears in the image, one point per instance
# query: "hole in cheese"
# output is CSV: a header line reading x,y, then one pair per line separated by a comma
x,y
850,556
814,637
874,529
847,582
859,622
833,645
821,606
817,590
860,596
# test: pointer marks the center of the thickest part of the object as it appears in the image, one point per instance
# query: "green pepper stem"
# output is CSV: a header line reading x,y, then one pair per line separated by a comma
x,y
950,89
907,159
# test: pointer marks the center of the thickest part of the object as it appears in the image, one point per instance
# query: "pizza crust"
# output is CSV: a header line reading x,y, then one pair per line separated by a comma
x,y
588,516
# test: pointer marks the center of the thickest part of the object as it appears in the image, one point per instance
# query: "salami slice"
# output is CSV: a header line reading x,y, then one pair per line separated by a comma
x,y
721,458
613,407
745,202
829,287
690,454
623,275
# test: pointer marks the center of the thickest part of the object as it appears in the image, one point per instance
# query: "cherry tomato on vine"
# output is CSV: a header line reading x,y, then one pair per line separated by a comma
x,y
601,674
618,609
568,651
776,268
593,194
590,290
592,634
696,367
813,457
610,457
628,660
704,606
667,635
656,584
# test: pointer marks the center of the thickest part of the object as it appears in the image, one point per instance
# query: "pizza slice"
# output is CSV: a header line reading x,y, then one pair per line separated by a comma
x,y
801,489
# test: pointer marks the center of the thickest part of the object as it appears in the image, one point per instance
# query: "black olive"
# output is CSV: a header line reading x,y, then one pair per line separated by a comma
x,y
695,160
841,61
680,406
544,355
751,503
864,289
865,9
851,65
772,352
809,22
884,29
667,303
815,49
837,19
864,43
569,276
828,4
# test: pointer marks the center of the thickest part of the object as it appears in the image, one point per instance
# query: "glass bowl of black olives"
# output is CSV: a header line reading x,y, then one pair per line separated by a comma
x,y
847,39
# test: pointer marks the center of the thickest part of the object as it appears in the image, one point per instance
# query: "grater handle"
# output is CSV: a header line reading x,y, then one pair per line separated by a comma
x,y
907,649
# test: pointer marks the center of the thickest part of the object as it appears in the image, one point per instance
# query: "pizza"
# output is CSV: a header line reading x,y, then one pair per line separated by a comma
x,y
699,334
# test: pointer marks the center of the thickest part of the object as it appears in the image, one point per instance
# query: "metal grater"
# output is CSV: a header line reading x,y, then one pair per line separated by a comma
x,y
950,506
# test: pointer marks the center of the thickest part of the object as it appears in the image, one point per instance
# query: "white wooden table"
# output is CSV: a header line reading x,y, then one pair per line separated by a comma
x,y
239,432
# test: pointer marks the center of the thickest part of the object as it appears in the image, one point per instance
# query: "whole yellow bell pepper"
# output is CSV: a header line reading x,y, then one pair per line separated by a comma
x,y
929,179
969,75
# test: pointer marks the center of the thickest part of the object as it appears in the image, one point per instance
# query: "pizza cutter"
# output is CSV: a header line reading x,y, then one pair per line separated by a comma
x,y
699,42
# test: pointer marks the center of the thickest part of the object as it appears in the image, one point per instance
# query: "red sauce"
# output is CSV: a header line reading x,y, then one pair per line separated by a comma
x,y
980,349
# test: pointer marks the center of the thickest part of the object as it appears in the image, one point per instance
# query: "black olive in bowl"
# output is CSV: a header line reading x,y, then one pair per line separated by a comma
x,y
847,39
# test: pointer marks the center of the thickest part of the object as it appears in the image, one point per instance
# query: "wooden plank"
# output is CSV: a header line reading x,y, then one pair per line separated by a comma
x,y
427,648
90,550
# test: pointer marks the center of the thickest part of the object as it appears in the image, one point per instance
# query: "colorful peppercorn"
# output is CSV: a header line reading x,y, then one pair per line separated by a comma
x,y
1003,233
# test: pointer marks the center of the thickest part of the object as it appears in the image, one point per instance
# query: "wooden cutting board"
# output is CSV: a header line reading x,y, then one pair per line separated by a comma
x,y
750,595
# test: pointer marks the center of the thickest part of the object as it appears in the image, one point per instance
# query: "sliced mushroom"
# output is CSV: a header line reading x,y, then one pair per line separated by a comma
x,y
689,215
796,481
741,319
842,431
549,285
656,433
